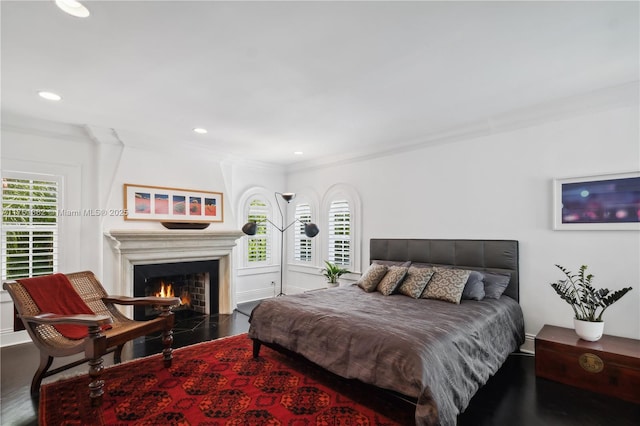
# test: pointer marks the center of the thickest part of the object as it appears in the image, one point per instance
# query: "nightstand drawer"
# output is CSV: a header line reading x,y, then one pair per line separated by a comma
x,y
610,366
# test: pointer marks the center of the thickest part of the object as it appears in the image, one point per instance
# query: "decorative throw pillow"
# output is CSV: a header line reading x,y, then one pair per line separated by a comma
x,y
447,284
415,281
392,262
474,288
372,276
495,284
392,279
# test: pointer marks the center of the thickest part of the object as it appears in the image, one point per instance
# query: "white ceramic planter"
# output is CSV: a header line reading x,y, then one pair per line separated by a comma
x,y
587,330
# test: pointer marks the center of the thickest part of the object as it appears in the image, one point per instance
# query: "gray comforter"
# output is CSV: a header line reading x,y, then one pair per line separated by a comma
x,y
436,352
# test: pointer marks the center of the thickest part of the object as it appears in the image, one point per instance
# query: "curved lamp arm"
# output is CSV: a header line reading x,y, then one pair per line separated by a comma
x,y
310,229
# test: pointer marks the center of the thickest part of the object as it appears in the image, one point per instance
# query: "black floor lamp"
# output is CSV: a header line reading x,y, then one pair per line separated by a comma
x,y
310,229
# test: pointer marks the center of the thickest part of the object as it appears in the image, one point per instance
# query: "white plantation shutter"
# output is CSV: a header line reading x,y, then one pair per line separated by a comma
x,y
340,233
302,244
29,225
259,245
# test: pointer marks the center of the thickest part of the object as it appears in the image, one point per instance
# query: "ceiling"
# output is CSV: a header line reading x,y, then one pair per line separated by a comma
x,y
325,78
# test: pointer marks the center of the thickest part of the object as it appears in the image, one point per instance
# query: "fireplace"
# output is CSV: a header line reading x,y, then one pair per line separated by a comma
x,y
195,283
135,248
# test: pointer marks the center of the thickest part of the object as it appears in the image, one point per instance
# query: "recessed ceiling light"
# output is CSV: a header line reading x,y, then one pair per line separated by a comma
x,y
200,130
50,96
73,8
298,153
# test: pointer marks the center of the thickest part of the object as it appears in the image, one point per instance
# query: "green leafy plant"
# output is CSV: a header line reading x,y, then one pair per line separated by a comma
x,y
578,291
333,272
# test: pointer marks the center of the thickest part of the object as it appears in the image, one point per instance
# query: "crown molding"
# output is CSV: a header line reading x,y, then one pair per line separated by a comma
x,y
624,95
103,135
27,125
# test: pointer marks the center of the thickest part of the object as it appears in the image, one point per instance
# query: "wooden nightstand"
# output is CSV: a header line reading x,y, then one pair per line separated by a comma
x,y
610,366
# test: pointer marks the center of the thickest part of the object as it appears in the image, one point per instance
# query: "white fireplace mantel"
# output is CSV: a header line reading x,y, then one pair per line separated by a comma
x,y
144,247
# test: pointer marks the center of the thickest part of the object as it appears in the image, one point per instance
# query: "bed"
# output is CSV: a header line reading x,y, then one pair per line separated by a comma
x,y
435,352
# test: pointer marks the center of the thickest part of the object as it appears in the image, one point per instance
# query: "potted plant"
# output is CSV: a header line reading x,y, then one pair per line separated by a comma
x,y
588,303
333,272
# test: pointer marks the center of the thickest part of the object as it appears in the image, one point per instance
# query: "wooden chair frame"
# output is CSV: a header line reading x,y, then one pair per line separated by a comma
x,y
52,344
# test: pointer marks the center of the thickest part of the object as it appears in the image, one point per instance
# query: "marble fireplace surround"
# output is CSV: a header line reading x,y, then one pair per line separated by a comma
x,y
143,247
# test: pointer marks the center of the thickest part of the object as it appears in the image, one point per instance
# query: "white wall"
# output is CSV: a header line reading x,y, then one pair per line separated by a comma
x,y
255,283
42,147
65,151
500,187
95,165
496,186
187,169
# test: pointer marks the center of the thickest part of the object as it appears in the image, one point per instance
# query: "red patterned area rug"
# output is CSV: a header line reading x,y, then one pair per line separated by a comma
x,y
220,383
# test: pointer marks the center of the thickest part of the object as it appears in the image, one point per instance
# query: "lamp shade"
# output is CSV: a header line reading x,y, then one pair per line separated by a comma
x,y
311,230
250,228
288,196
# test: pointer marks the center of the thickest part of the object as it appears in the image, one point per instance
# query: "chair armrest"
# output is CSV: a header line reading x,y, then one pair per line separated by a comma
x,y
79,319
142,301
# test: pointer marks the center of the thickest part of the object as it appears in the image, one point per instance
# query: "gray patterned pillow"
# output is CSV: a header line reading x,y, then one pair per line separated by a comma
x,y
369,281
446,284
415,281
392,279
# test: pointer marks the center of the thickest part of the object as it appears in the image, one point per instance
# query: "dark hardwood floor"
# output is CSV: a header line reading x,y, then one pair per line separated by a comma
x,y
514,396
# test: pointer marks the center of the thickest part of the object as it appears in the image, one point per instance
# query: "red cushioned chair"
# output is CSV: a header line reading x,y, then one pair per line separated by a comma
x,y
100,341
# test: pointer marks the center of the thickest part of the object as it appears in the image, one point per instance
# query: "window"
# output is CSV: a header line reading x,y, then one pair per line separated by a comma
x,y
302,245
339,238
29,225
341,209
259,245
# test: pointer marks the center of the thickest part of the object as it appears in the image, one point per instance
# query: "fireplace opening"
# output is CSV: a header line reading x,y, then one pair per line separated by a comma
x,y
195,283
190,288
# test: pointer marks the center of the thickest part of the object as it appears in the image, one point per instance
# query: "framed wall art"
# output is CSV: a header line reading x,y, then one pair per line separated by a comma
x,y
603,202
162,204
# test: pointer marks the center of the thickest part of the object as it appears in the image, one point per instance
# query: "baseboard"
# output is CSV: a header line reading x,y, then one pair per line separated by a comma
x,y
252,295
10,338
297,289
529,344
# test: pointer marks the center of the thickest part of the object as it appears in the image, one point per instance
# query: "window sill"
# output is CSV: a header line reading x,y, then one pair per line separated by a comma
x,y
303,269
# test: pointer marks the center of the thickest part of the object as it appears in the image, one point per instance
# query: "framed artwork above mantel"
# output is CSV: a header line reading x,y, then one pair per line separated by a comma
x,y
600,202
162,204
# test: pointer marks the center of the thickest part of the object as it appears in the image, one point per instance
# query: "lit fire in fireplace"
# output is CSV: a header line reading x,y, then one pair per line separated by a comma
x,y
166,290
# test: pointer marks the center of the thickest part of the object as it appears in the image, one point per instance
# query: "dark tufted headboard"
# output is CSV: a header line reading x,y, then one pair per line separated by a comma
x,y
480,255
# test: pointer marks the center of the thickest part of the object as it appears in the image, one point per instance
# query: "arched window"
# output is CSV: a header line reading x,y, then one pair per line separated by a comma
x,y
302,245
259,245
339,233
341,241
